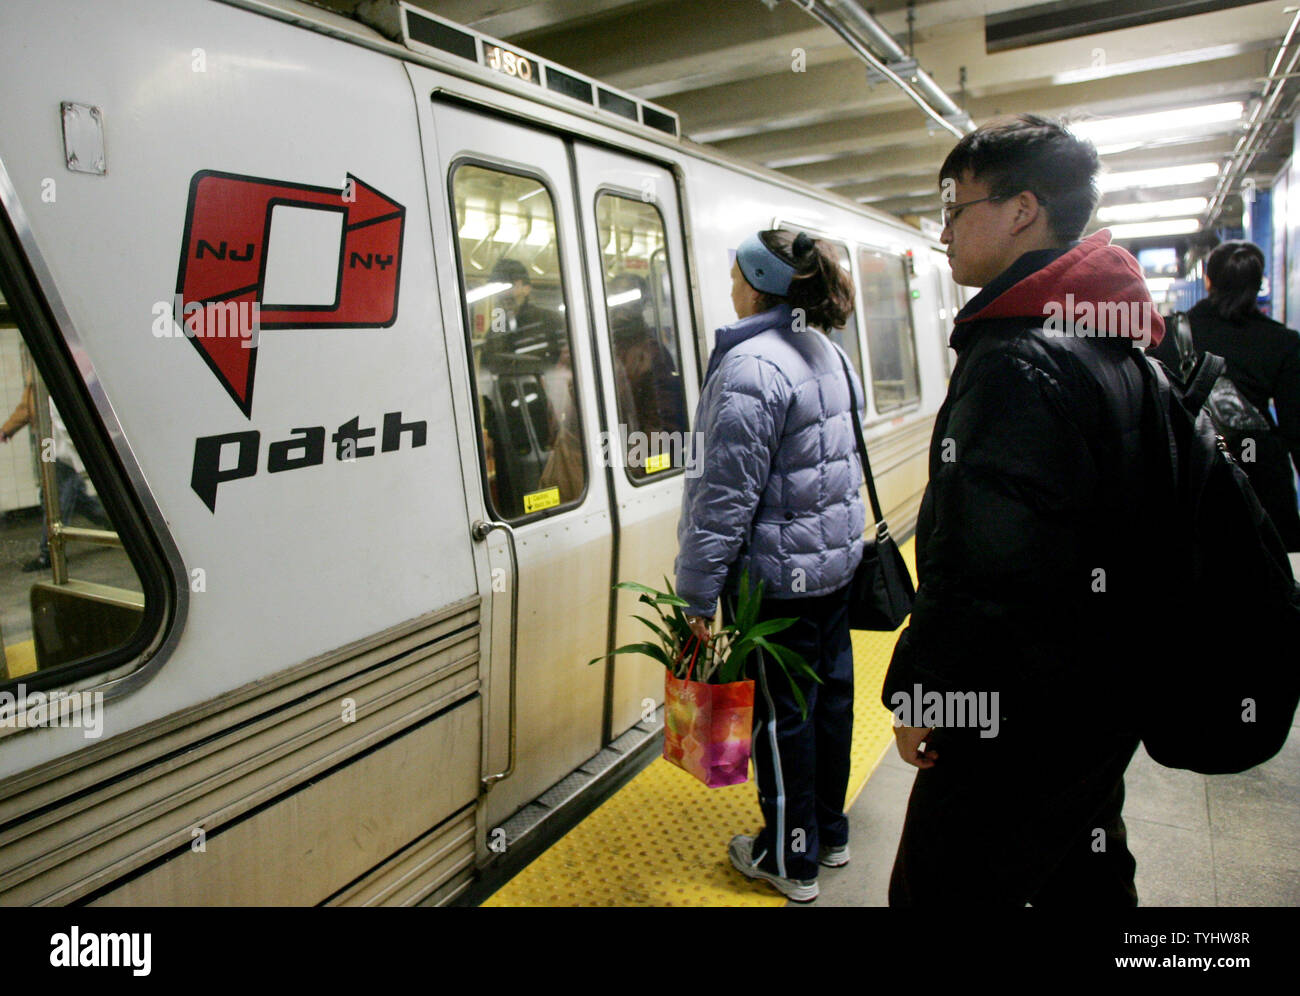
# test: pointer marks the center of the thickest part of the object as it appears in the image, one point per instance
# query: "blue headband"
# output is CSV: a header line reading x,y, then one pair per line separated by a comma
x,y
764,269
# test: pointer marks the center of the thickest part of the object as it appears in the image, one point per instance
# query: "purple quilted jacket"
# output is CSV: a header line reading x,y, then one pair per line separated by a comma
x,y
775,480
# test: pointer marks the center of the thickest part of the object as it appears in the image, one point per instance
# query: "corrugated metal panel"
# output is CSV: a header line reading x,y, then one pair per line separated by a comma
x,y
332,830
72,834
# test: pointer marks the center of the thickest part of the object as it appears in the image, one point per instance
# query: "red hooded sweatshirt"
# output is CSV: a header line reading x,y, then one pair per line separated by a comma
x,y
1094,290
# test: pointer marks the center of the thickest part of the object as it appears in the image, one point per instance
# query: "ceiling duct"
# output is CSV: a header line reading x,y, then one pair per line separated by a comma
x,y
885,57
1057,21
1265,119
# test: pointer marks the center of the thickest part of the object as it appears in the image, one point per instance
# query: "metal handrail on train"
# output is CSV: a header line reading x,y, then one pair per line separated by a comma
x,y
480,531
57,533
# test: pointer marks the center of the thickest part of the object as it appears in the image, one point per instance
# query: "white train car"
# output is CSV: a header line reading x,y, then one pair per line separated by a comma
x,y
352,356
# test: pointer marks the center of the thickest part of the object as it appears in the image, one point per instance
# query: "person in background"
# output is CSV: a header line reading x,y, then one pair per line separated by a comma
x,y
648,385
778,492
1263,362
70,486
528,328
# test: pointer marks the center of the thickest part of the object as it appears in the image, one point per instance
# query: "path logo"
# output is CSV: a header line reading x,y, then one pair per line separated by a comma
x,y
224,267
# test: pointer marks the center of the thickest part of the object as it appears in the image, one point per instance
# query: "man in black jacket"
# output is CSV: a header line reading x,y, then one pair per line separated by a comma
x,y
1028,544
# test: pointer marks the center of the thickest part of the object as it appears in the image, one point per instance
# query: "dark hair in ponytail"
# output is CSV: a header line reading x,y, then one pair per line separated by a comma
x,y
1236,270
820,286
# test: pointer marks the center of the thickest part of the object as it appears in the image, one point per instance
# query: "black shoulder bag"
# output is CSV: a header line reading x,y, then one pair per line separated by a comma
x,y
882,592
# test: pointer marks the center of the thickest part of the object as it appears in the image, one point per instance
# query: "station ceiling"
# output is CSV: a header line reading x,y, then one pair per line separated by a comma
x,y
731,70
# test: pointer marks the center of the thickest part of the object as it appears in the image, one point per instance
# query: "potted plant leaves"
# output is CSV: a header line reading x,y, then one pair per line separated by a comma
x,y
708,687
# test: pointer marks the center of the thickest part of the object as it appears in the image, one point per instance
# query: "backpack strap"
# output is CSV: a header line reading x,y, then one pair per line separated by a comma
x,y
1159,396
1201,381
1178,324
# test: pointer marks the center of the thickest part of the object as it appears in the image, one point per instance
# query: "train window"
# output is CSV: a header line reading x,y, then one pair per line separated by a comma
x,y
519,335
69,592
886,299
847,337
643,335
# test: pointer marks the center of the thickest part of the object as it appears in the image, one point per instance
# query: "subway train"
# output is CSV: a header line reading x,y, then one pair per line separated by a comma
x,y
350,363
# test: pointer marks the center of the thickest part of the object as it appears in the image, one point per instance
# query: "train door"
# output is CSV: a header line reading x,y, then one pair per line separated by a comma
x,y
636,268
515,288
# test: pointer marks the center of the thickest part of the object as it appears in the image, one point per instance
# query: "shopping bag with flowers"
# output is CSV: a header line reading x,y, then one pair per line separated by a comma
x,y
708,696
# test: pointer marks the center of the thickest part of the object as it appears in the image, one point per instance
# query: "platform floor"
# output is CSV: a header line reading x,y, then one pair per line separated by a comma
x,y
1227,840
661,840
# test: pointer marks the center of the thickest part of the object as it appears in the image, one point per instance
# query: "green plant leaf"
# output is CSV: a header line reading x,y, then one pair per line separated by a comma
x,y
769,626
789,660
746,605
663,634
652,650
798,696
643,589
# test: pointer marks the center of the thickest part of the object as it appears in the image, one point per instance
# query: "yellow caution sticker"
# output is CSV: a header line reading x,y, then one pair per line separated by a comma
x,y
662,461
539,500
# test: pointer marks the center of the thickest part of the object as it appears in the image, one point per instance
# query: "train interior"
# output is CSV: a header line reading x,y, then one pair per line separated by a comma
x,y
68,590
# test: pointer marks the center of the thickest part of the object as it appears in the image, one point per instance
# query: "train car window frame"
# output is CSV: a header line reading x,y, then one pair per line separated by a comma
x,y
153,556
491,163
946,289
612,190
900,257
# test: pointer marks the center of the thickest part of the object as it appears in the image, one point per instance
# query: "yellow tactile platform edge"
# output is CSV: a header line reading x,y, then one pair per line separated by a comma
x,y
661,840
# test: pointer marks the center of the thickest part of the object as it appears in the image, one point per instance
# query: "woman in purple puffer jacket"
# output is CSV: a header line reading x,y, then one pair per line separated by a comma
x,y
777,491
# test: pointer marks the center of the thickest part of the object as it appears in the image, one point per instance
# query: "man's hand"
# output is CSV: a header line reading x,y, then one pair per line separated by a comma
x,y
911,741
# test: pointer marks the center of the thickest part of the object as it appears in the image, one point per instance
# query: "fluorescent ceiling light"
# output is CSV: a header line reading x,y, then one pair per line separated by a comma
x,y
1145,229
1144,127
807,160
1118,147
1180,208
1159,285
1166,61
627,297
487,290
1167,176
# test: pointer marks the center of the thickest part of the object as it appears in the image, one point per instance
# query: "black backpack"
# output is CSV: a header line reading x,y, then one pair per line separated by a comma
x,y
1235,418
1220,681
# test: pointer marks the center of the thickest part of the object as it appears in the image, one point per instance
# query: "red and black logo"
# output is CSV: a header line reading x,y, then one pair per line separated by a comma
x,y
220,287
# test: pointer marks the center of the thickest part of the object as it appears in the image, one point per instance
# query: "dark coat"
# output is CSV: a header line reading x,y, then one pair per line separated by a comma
x,y
1263,361
1036,484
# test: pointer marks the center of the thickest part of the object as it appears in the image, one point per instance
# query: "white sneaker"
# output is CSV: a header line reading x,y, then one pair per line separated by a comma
x,y
741,852
834,857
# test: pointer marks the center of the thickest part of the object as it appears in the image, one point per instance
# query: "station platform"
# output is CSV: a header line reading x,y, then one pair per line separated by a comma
x,y
661,840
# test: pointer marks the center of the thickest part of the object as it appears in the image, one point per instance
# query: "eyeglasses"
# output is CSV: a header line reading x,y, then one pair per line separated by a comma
x,y
953,211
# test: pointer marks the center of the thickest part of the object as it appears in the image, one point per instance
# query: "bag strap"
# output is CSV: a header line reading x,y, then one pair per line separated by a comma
x,y
882,528
1183,343
1201,381
1159,396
